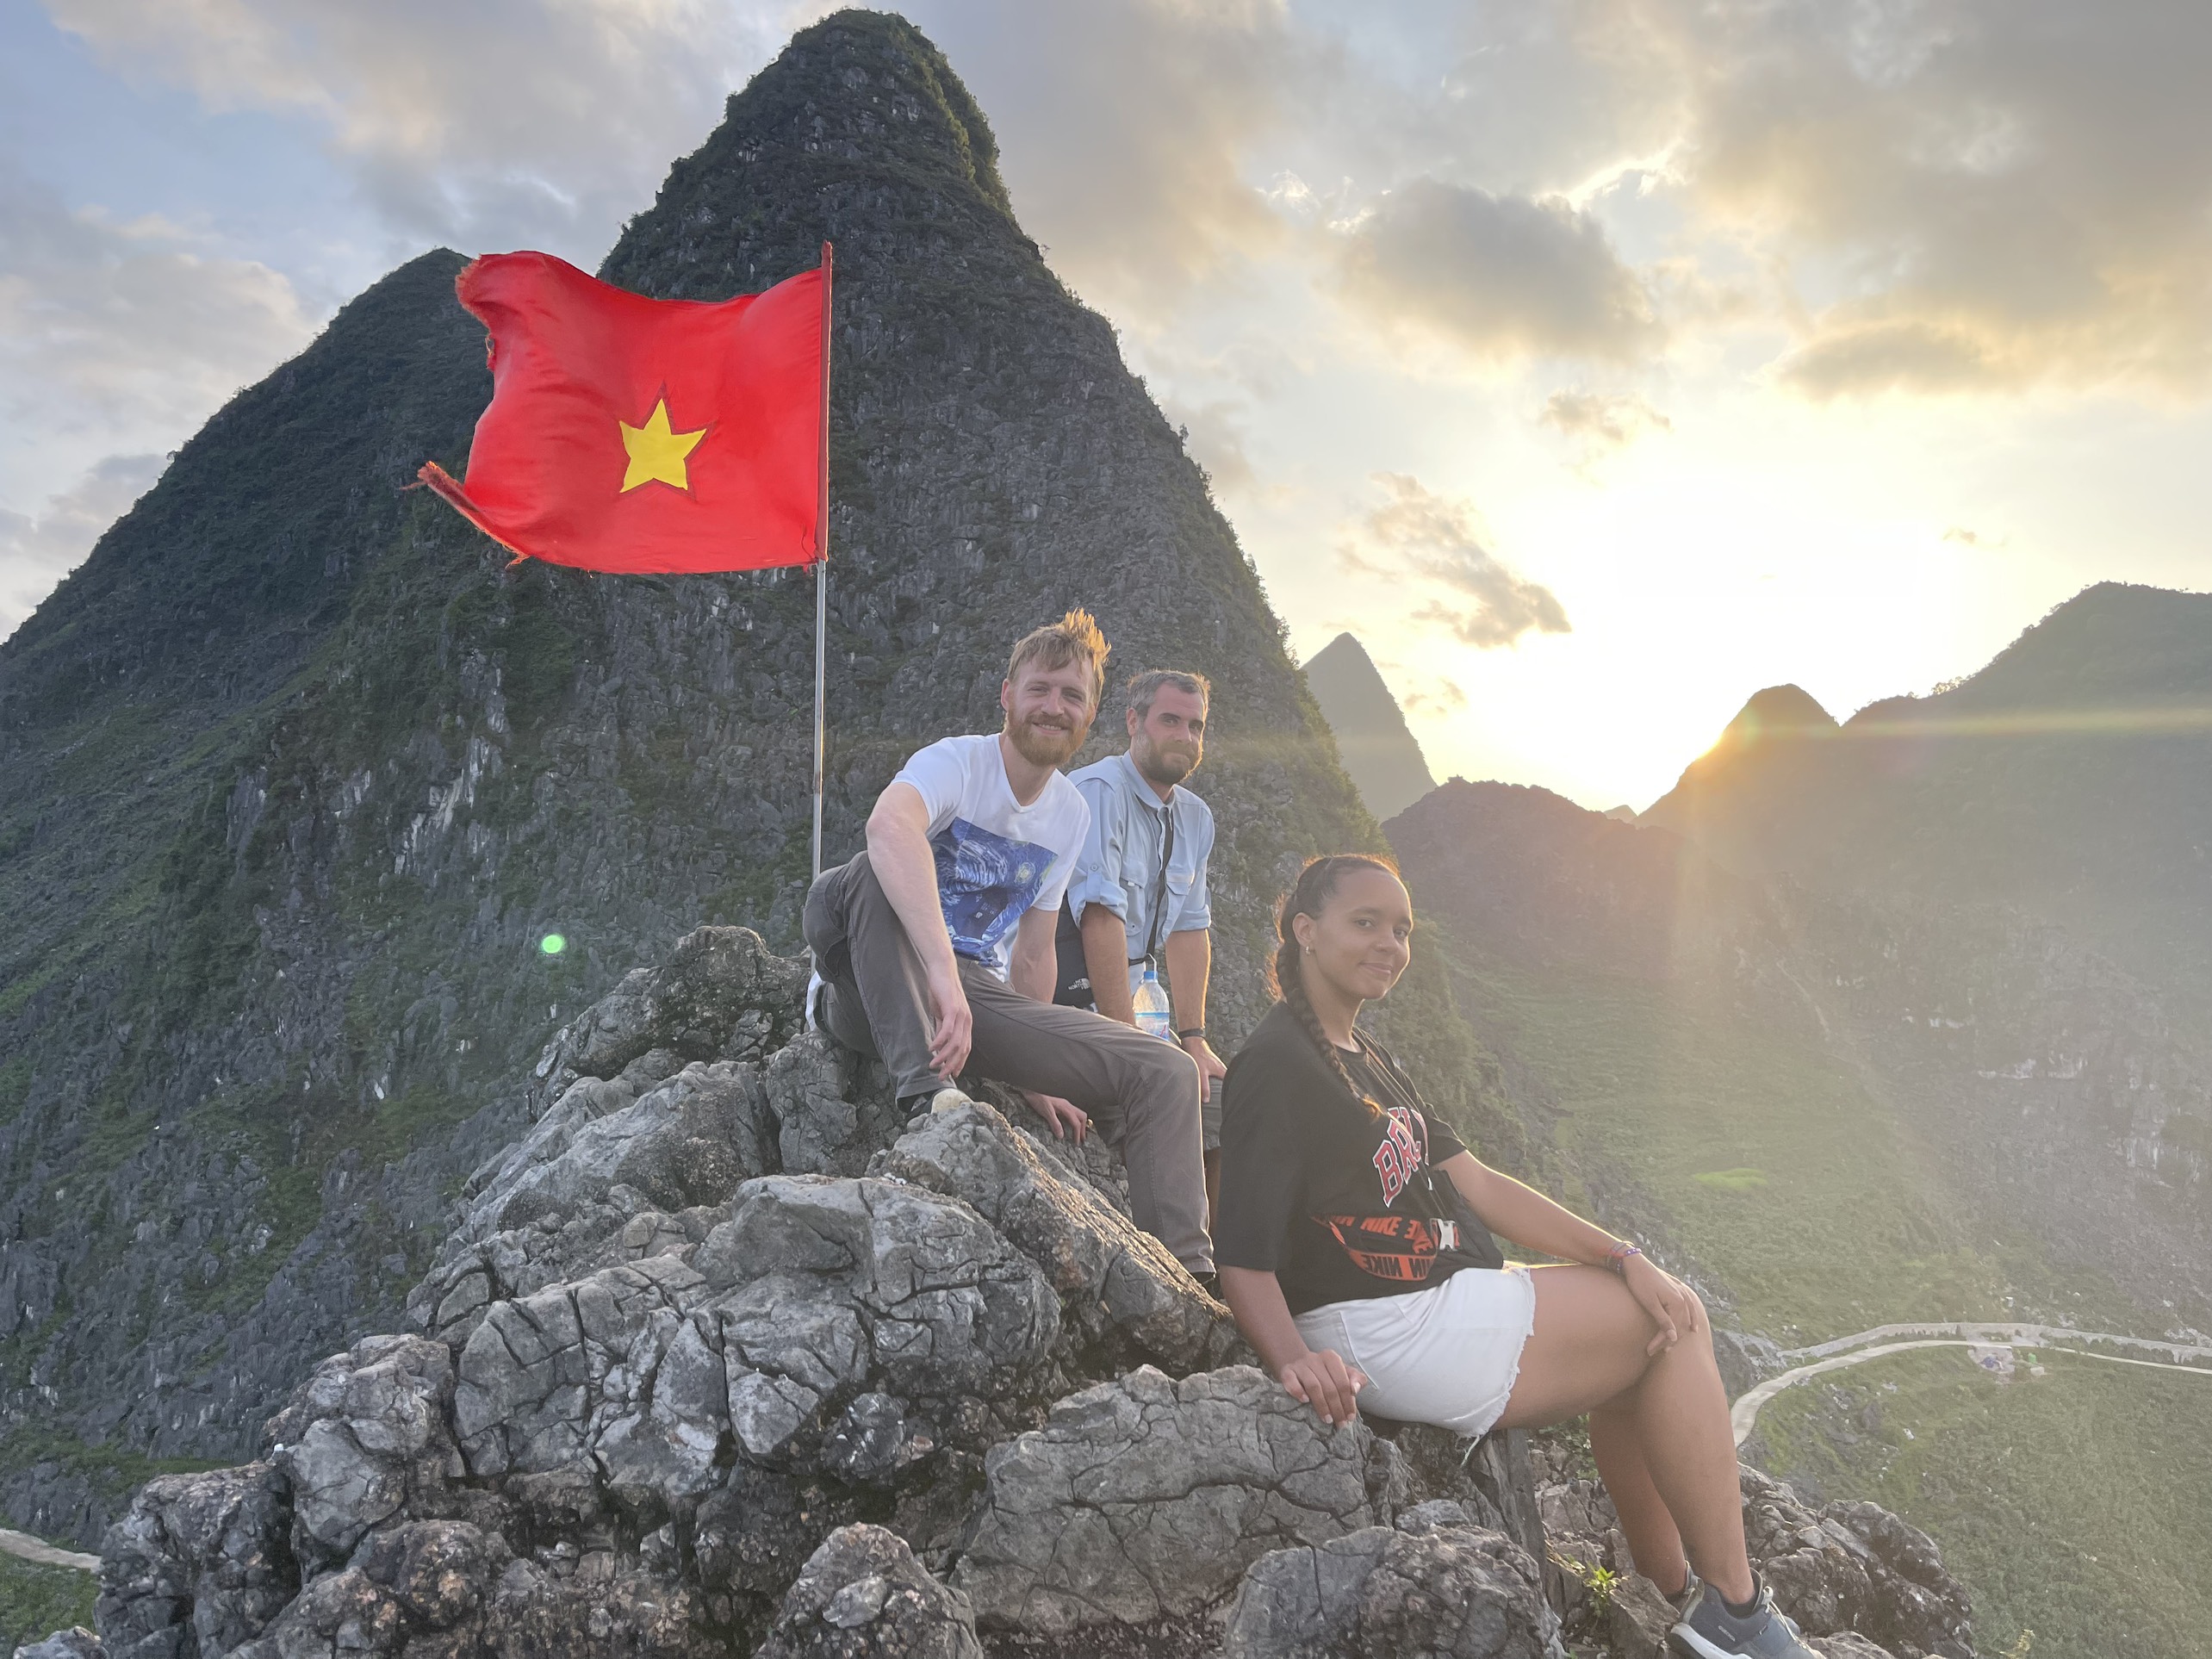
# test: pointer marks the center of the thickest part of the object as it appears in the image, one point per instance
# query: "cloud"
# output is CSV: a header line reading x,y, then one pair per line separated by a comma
x,y
1214,433
1135,121
1960,536
1972,197
1601,421
36,553
498,123
117,338
1500,277
1437,699
1440,542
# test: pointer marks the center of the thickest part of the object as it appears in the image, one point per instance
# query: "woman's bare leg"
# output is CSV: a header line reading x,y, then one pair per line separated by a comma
x,y
1586,1354
1652,1537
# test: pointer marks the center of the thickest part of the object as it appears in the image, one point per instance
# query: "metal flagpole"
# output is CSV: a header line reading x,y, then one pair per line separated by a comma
x,y
821,571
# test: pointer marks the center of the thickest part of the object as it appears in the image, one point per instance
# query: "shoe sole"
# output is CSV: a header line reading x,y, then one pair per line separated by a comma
x,y
1683,1639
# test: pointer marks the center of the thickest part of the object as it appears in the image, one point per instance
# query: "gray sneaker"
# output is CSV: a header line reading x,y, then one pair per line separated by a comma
x,y
1709,1631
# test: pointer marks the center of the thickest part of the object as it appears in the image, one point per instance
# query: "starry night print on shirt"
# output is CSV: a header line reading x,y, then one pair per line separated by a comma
x,y
984,882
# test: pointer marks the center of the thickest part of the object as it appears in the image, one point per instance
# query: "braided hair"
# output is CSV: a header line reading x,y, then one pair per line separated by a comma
x,y
1317,883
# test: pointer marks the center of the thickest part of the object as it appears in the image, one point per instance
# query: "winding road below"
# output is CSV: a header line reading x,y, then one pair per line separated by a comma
x,y
1857,1349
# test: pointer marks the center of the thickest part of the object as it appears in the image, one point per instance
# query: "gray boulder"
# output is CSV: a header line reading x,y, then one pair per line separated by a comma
x,y
833,1110
721,995
1855,1566
1434,1586
198,1565
367,1436
862,1595
1848,1645
1147,1498
75,1643
1114,1280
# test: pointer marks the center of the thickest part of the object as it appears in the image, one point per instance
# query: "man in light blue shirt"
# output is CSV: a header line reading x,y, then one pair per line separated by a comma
x,y
1138,891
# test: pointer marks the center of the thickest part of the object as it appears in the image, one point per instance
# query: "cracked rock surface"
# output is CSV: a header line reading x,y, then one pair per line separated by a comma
x,y
1147,1497
1434,1585
862,1595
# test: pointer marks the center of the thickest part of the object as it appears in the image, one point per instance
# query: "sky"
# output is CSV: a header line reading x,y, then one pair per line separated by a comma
x,y
1596,361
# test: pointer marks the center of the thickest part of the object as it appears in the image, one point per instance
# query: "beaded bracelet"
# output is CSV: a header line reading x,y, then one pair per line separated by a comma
x,y
1617,1257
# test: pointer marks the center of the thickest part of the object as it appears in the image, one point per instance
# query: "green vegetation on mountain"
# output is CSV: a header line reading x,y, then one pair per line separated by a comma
x,y
34,1600
2072,1504
1739,1143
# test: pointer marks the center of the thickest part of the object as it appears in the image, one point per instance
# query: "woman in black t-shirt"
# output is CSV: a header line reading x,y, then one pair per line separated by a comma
x,y
1353,1241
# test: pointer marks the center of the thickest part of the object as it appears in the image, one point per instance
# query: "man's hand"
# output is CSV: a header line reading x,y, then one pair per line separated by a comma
x,y
1668,1302
1324,1381
955,1031
1211,1068
1066,1118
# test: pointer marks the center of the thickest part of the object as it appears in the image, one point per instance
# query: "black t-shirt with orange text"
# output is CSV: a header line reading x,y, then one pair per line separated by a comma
x,y
1339,1205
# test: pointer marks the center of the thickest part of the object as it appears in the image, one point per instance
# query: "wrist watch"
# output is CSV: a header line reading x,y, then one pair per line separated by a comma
x,y
1189,1032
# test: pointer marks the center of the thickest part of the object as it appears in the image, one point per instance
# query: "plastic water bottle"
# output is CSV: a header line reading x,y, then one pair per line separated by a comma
x,y
1150,1002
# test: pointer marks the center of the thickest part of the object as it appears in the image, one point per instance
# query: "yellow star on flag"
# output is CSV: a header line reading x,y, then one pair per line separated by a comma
x,y
656,454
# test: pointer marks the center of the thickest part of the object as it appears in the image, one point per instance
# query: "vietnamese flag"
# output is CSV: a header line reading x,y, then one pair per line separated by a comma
x,y
632,434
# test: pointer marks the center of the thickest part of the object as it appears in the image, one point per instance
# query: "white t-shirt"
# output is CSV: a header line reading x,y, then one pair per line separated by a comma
x,y
996,858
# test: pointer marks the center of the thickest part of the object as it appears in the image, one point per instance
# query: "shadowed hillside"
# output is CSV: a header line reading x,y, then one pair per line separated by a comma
x,y
2070,778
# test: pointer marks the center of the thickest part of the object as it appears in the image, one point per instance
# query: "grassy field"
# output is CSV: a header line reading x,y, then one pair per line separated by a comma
x,y
35,1601
2073,1505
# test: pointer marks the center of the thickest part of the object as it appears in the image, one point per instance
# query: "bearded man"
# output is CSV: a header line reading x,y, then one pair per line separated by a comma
x,y
934,948
1139,899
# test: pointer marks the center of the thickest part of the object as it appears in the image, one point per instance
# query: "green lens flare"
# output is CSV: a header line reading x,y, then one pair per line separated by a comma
x,y
552,944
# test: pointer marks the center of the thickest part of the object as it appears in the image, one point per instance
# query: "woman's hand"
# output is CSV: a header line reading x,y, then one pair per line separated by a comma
x,y
1324,1381
1668,1302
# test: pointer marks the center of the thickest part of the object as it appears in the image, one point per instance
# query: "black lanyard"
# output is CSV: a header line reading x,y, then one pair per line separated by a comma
x,y
1159,891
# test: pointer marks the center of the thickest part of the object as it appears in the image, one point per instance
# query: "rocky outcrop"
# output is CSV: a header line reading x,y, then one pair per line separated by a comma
x,y
1435,1584
1848,1570
862,1595
1146,1498
950,1401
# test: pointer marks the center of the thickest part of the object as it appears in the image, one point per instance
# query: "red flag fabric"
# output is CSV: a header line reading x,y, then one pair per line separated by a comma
x,y
632,434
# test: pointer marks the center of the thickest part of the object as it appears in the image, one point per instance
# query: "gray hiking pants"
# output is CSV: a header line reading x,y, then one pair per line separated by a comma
x,y
1141,1093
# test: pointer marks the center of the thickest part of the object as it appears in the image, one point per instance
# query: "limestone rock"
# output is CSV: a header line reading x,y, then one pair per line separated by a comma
x,y
1112,1276
1146,1498
370,1430
199,1564
1848,1646
1855,1566
75,1643
862,1595
1432,1586
1638,1618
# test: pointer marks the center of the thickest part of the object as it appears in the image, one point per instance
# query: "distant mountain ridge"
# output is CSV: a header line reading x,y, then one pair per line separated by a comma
x,y
1380,753
2070,778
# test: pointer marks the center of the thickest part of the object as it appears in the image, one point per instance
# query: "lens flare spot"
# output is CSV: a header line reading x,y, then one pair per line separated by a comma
x,y
552,944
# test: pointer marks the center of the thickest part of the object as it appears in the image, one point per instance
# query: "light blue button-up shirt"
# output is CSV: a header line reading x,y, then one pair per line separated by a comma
x,y
1119,866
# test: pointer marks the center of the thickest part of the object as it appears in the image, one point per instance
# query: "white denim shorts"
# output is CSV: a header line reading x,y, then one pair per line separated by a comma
x,y
1448,1355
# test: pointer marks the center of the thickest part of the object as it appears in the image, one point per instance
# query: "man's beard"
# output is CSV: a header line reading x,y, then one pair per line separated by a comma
x,y
1047,745
1165,767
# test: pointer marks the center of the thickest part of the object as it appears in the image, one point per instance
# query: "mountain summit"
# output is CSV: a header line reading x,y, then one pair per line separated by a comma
x,y
302,785
1377,750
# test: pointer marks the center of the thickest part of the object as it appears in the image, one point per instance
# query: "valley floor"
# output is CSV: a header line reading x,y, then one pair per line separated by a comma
x,y
2073,1504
